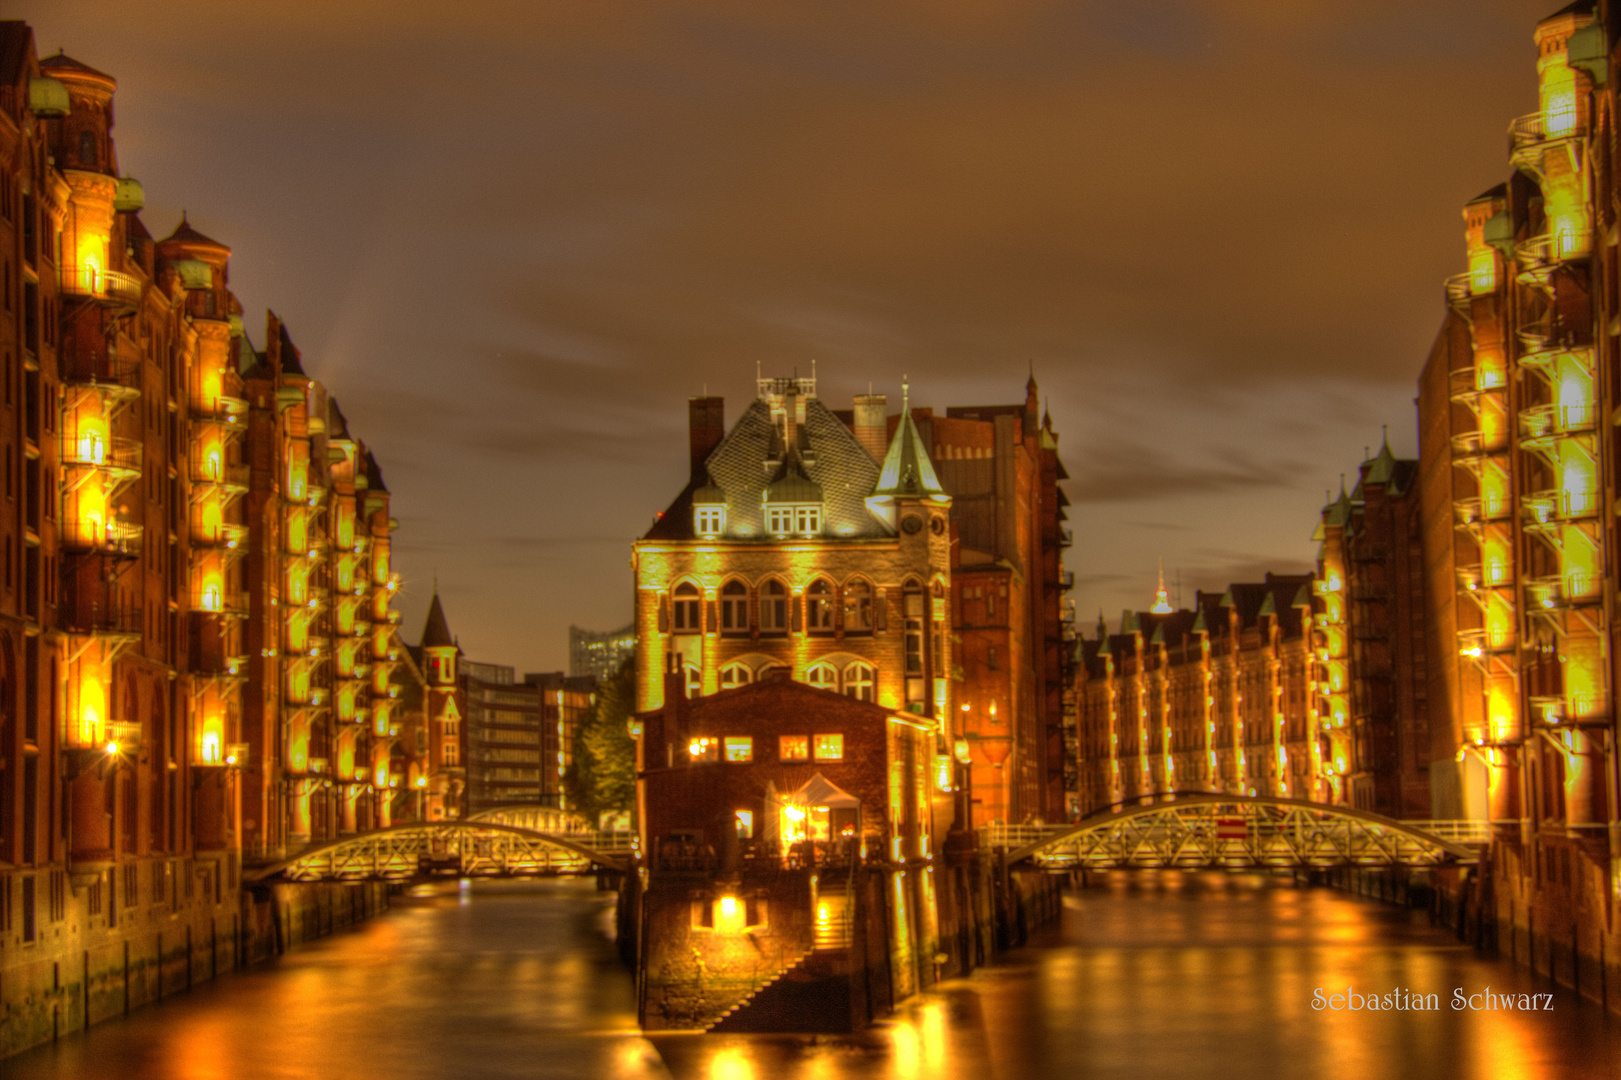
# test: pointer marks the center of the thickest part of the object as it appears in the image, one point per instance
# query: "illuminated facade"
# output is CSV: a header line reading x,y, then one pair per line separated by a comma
x,y
598,655
438,657
323,644
139,765
793,547
1217,698
1517,444
1370,677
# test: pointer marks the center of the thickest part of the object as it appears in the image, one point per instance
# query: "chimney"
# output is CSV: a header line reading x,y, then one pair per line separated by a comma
x,y
790,418
871,423
706,427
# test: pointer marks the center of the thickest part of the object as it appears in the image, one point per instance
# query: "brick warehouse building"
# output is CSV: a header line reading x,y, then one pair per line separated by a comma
x,y
790,842
913,561
195,634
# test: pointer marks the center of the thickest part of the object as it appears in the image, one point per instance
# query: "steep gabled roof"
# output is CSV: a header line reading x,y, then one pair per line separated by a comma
x,y
907,469
436,632
62,65
186,236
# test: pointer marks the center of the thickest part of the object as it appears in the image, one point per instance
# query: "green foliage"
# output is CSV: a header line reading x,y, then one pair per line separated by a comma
x,y
603,777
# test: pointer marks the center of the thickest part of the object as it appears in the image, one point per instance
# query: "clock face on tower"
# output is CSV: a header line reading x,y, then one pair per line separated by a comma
x,y
911,524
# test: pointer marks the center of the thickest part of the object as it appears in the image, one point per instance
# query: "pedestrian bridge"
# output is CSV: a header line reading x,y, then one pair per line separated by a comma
x,y
1205,830
486,845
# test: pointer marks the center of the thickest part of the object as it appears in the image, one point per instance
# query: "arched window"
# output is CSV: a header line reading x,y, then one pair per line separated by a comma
x,y
858,607
912,603
819,607
858,682
735,675
773,607
688,605
734,608
695,680
823,677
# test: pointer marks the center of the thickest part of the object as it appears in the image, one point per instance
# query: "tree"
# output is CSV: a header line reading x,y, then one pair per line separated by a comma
x,y
603,778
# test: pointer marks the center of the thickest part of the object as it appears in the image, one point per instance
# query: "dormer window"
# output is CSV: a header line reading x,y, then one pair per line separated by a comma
x,y
794,520
709,521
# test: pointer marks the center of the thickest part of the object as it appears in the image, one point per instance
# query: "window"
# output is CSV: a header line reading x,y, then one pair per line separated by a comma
x,y
734,608
823,677
87,148
703,749
734,675
739,748
688,607
779,520
830,748
793,747
807,520
858,607
819,607
709,520
858,682
745,824
695,681
773,607
452,753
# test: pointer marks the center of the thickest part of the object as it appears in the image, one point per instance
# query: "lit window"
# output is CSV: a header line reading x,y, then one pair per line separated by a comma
x,y
823,677
734,675
709,520
452,753
688,608
857,607
745,824
695,681
858,682
702,749
793,747
830,748
779,520
773,607
739,748
734,608
807,520
819,607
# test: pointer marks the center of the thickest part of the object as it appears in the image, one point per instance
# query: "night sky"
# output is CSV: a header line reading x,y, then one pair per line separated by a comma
x,y
514,238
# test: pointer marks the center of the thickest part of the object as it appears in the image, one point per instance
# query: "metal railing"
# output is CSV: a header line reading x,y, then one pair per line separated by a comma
x,y
92,281
1542,421
95,451
1558,504
1454,831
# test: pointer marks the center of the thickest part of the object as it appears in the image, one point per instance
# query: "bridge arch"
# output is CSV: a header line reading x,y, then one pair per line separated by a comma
x,y
1209,830
466,848
541,819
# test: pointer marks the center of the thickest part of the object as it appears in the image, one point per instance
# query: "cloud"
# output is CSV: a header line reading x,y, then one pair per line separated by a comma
x,y
1138,472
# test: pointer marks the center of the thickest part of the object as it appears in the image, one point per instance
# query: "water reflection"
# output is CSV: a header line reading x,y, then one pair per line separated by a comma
x,y
1167,976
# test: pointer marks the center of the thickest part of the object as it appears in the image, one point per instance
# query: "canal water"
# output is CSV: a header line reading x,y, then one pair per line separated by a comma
x,y
1147,976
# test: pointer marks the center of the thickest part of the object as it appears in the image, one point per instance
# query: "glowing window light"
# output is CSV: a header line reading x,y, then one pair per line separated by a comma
x,y
739,748
745,824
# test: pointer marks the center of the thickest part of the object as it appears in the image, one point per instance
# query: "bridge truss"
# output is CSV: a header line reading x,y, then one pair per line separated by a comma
x,y
448,848
1222,831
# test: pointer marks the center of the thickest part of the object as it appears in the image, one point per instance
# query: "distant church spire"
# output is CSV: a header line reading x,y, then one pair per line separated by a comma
x,y
1162,599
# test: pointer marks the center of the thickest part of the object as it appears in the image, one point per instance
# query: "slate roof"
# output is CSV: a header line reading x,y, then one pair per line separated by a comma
x,y
436,632
753,455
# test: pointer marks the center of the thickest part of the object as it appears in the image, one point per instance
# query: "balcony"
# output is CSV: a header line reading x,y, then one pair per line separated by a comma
x,y
1556,421
108,371
106,286
228,535
1557,506
1529,135
229,412
1472,578
1477,510
1557,592
1467,384
233,478
1469,447
230,605
1540,256
1571,710
90,450
1477,644
96,621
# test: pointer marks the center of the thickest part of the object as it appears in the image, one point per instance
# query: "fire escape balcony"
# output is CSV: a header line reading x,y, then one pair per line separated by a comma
x,y
116,458
1557,506
1571,710
1540,256
1557,593
1467,384
1462,292
110,288
1479,644
229,412
231,605
1544,422
1532,137
228,535
231,480
122,624
1476,510
1471,448
109,374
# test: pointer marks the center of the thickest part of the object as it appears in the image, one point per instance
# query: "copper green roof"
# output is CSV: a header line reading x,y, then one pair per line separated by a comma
x,y
907,469
791,484
709,495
